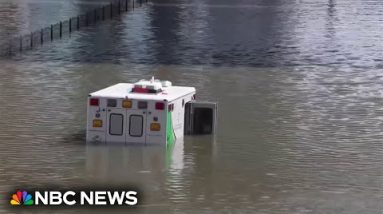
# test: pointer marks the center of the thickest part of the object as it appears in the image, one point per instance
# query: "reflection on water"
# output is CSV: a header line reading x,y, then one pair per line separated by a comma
x,y
299,87
117,164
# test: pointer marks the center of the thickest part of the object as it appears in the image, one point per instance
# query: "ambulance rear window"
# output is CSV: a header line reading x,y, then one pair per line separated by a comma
x,y
136,123
116,124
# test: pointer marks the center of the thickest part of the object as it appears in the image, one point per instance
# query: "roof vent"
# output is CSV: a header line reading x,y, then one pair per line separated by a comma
x,y
150,86
166,83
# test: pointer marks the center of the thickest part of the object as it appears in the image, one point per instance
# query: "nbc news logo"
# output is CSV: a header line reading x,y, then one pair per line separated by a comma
x,y
72,198
21,198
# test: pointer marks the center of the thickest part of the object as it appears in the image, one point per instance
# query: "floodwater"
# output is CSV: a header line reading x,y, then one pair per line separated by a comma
x,y
300,91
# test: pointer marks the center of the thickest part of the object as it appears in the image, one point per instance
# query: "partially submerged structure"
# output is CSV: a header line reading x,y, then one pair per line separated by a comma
x,y
147,112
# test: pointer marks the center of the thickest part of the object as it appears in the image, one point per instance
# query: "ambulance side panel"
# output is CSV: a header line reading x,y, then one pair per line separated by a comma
x,y
156,116
96,134
178,114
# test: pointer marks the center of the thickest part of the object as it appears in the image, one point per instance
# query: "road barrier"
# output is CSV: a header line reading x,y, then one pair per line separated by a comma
x,y
21,43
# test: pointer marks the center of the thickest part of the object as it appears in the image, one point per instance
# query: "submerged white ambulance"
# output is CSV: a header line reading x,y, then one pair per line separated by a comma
x,y
147,112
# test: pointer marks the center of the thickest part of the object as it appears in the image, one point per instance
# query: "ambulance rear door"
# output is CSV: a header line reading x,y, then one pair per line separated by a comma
x,y
116,122
136,122
200,117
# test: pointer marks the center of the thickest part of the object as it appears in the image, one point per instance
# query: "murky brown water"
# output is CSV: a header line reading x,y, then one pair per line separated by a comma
x,y
299,86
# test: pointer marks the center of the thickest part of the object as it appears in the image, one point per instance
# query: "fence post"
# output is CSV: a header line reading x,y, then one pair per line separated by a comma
x,y
103,13
21,43
140,3
119,7
10,48
86,19
42,36
95,15
31,40
133,4
51,32
78,22
126,5
111,10
61,29
70,25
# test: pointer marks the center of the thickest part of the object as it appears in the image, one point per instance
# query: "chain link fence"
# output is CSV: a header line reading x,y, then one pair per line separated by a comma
x,y
21,43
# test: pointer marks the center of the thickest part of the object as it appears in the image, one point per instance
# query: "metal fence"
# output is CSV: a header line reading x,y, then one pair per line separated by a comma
x,y
57,31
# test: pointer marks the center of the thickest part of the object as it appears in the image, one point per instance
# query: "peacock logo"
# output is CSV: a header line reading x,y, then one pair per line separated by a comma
x,y
21,198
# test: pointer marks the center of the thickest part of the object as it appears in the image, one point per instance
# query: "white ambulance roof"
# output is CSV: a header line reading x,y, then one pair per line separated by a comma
x,y
122,90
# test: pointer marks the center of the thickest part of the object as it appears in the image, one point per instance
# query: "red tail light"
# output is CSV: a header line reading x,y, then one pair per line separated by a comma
x,y
160,106
94,102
